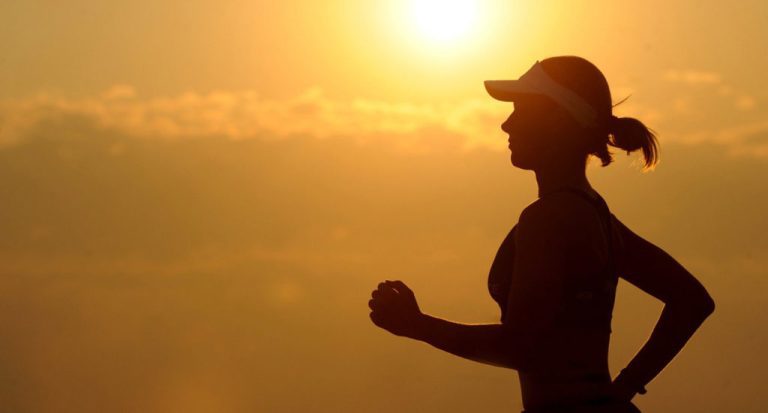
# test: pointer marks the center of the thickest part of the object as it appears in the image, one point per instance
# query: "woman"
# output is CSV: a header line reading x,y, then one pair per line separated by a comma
x,y
555,274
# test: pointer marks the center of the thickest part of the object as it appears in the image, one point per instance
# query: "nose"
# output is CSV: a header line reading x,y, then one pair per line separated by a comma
x,y
506,125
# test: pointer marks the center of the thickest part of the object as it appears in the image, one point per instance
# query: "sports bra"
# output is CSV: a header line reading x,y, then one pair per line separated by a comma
x,y
588,302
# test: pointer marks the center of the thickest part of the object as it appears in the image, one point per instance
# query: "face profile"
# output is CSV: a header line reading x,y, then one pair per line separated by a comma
x,y
535,129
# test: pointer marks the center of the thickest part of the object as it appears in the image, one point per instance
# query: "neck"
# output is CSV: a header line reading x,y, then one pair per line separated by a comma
x,y
552,179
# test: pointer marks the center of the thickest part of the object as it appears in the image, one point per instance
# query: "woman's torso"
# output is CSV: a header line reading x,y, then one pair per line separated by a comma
x,y
577,369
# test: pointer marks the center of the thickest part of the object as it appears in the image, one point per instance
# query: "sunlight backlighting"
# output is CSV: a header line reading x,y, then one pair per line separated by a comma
x,y
444,20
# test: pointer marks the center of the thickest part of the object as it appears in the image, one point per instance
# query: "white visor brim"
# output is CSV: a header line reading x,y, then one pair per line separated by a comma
x,y
537,82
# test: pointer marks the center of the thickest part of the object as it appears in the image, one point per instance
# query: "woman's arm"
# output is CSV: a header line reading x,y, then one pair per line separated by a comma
x,y
490,344
394,308
686,305
548,237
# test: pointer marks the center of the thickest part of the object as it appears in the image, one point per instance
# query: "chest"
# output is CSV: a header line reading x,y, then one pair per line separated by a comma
x,y
589,295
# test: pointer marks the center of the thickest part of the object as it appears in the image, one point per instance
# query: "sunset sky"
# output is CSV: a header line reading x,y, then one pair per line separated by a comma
x,y
198,199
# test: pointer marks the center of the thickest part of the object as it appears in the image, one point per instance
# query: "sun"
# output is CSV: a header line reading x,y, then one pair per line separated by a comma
x,y
444,21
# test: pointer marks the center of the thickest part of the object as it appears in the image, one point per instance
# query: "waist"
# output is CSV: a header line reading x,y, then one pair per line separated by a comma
x,y
552,390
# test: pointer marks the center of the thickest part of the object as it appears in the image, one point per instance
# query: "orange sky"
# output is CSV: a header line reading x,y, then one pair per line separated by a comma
x,y
198,200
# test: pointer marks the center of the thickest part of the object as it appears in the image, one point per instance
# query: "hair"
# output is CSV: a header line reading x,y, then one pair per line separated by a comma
x,y
629,134
625,133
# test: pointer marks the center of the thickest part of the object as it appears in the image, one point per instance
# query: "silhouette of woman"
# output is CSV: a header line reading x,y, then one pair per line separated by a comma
x,y
555,274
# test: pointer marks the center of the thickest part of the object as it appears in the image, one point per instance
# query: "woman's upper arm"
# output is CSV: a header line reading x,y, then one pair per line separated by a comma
x,y
651,269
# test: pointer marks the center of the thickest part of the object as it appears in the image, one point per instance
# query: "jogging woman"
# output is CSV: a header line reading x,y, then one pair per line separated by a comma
x,y
555,274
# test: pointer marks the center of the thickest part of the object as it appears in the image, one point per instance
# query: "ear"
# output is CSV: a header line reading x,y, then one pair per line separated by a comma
x,y
559,121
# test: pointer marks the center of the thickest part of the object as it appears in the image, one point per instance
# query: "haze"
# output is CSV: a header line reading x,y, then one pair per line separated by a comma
x,y
197,200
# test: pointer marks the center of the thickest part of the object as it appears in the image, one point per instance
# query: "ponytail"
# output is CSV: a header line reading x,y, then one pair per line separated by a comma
x,y
630,134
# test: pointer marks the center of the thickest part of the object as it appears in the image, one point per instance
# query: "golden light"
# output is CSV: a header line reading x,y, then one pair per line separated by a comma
x,y
444,20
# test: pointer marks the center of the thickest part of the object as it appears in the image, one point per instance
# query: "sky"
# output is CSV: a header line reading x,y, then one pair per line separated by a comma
x,y
198,200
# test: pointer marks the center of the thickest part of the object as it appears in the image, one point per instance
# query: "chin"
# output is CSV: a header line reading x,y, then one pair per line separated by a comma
x,y
520,163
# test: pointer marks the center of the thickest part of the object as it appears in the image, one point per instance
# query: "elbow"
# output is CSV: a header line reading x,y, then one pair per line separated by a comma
x,y
707,306
703,304
693,301
699,305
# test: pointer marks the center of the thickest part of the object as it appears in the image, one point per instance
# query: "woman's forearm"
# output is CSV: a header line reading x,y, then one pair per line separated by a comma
x,y
675,327
484,343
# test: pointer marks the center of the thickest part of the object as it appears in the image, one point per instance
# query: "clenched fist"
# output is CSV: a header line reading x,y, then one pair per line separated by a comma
x,y
394,308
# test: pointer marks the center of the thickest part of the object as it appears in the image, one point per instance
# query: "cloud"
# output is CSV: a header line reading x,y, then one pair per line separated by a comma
x,y
746,102
693,77
119,91
246,114
683,114
745,140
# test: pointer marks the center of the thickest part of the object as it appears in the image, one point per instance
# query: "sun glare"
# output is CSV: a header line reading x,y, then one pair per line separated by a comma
x,y
444,20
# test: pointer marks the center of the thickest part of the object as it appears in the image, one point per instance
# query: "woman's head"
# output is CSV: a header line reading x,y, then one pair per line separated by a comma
x,y
563,113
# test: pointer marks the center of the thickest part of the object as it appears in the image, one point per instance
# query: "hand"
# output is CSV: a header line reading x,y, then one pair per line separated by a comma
x,y
394,309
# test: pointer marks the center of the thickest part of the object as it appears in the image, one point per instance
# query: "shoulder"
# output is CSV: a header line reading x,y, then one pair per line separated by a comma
x,y
562,230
